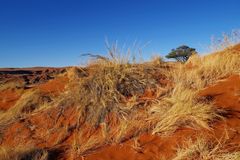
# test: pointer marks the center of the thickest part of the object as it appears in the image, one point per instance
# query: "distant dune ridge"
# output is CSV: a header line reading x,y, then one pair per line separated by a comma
x,y
114,109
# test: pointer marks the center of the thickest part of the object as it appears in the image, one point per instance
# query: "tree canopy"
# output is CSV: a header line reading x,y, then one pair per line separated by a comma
x,y
182,53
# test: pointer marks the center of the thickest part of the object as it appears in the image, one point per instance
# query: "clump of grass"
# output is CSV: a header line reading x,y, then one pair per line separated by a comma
x,y
83,144
182,109
203,149
109,83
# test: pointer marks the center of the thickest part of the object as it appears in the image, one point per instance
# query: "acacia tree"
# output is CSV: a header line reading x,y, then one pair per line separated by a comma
x,y
182,53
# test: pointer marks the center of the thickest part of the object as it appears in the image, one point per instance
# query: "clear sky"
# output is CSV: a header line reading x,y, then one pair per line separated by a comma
x,y
57,32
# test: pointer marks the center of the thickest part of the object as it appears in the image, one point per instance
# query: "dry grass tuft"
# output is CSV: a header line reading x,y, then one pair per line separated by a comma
x,y
108,84
203,149
181,109
83,144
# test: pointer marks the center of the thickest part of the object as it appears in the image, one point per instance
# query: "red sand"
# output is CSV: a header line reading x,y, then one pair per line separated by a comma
x,y
8,98
226,93
54,86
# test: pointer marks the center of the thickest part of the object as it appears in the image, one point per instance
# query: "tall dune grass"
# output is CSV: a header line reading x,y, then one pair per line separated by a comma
x,y
110,82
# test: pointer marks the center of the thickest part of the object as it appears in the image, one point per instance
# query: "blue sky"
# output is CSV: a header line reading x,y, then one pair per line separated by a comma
x,y
56,32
